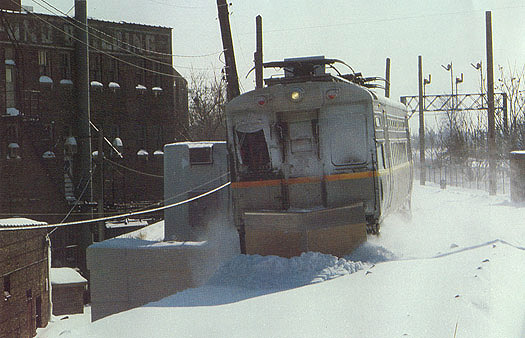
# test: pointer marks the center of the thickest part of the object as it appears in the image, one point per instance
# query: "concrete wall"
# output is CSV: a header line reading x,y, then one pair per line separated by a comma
x,y
183,179
517,176
127,273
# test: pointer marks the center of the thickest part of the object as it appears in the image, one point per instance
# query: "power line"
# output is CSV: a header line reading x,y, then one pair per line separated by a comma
x,y
106,53
133,170
130,214
103,52
79,25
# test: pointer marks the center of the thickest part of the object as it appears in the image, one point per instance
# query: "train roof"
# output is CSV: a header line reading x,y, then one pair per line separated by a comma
x,y
313,68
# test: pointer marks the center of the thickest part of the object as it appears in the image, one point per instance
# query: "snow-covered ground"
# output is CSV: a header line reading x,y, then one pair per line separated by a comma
x,y
456,268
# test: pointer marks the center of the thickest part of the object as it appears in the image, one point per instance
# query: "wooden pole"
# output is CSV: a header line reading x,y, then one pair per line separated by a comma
x,y
258,56
422,176
232,87
387,78
83,124
491,137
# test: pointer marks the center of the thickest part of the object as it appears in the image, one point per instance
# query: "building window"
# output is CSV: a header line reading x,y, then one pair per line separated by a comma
x,y
66,66
95,67
7,287
201,155
44,62
68,36
113,71
10,86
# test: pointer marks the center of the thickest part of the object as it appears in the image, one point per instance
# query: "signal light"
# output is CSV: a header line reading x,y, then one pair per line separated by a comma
x,y
332,94
296,95
261,100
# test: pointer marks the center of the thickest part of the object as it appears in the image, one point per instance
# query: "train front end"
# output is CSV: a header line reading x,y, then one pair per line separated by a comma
x,y
301,167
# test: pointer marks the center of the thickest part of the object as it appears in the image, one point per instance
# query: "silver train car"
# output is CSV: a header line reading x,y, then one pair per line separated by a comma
x,y
316,160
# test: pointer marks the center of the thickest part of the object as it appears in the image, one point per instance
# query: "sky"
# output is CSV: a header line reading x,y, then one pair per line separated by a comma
x,y
361,33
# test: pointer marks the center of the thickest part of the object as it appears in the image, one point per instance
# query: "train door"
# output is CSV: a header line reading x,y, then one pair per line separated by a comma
x,y
301,168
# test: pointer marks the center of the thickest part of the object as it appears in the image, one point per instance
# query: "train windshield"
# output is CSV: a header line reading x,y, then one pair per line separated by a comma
x,y
348,138
253,150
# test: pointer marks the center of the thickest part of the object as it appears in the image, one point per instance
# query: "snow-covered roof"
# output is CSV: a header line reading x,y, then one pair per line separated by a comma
x,y
126,223
199,144
132,243
63,276
19,221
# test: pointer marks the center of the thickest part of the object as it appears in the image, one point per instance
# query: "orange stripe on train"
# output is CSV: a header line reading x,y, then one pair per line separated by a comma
x,y
302,180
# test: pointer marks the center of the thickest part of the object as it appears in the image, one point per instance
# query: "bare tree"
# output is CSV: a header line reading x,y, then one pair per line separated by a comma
x,y
512,82
207,99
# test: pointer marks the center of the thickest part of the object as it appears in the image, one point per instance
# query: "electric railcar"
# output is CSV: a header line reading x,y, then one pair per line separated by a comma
x,y
317,160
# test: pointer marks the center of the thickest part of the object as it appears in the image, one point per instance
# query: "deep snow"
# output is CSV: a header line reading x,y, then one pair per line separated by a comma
x,y
456,267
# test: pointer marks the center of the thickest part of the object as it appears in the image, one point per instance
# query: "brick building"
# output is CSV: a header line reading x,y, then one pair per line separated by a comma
x,y
137,98
24,279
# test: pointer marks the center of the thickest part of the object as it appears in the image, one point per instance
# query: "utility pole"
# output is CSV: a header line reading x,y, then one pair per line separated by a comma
x,y
491,137
258,56
83,127
100,201
387,78
232,88
422,173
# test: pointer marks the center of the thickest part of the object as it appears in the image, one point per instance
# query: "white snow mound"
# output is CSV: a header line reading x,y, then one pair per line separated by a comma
x,y
278,273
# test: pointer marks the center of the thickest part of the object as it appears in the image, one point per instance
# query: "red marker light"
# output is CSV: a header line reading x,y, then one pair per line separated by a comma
x,y
332,94
261,100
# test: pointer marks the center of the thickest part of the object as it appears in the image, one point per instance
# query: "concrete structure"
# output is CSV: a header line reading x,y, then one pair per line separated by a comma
x,y
68,288
136,97
24,279
517,176
127,272
191,169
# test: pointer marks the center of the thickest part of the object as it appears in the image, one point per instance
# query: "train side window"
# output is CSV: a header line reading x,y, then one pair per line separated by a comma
x,y
253,150
381,156
378,121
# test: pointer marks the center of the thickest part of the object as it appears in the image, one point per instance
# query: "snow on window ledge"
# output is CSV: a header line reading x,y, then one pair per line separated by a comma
x,y
45,79
12,112
96,84
113,85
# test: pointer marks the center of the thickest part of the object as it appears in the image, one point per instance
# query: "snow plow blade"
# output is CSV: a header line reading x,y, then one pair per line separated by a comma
x,y
335,231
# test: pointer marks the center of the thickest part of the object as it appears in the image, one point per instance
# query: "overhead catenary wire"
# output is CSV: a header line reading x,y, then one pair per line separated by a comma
x,y
109,218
